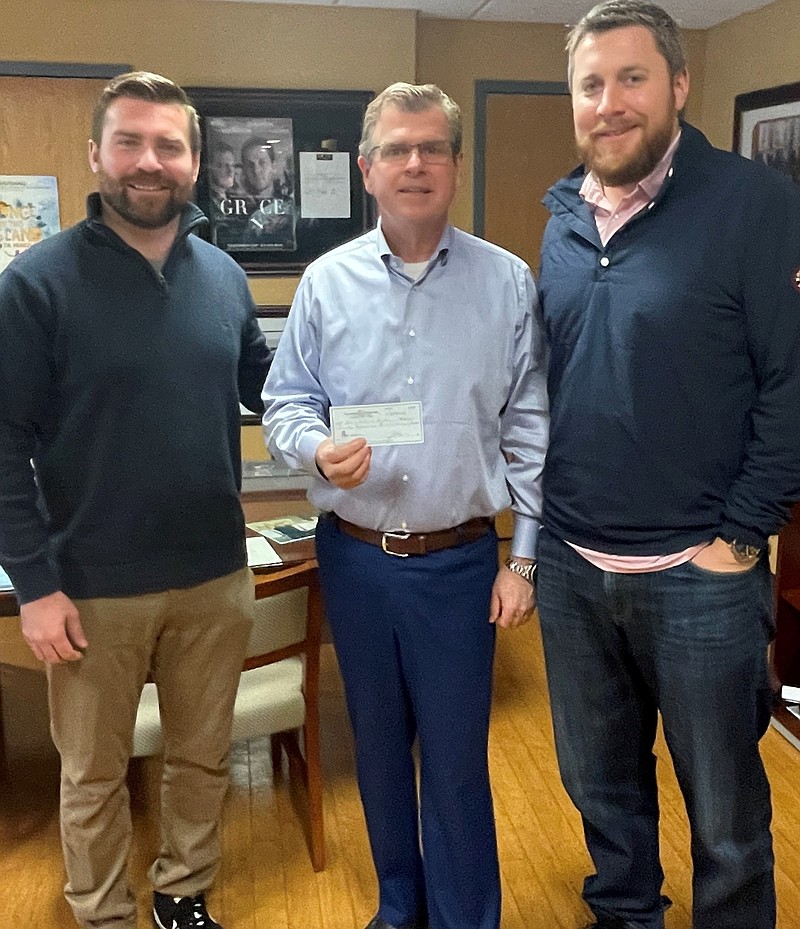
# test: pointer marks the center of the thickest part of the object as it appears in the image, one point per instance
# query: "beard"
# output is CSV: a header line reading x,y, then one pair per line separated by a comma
x,y
144,212
624,170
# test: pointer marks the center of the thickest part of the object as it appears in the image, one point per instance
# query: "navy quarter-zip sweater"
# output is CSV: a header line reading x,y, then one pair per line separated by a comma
x,y
122,385
674,359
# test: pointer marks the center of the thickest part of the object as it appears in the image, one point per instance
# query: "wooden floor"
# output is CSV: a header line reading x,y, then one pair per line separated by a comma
x,y
266,880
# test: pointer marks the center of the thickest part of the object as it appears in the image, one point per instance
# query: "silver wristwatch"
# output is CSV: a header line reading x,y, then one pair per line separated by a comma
x,y
526,571
744,554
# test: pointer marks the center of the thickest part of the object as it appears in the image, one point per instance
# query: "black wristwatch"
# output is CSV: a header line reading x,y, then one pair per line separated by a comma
x,y
525,570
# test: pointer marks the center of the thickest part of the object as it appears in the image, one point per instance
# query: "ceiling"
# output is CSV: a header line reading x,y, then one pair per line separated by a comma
x,y
690,14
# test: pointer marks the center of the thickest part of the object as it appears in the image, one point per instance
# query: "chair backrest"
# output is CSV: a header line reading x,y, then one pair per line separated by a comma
x,y
287,627
287,617
279,621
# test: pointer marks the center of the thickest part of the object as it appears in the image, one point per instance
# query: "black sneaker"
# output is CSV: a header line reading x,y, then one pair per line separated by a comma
x,y
182,912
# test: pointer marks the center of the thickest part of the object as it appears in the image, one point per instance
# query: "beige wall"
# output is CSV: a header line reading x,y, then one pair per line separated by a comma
x,y
223,44
752,52
254,44
455,53
236,44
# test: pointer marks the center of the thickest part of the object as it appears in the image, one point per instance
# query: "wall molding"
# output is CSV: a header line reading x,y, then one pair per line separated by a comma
x,y
60,69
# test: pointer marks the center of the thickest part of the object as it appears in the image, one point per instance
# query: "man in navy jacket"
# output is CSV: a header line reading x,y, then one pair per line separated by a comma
x,y
670,287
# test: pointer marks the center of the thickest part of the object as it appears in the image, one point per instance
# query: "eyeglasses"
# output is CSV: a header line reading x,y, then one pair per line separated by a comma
x,y
435,152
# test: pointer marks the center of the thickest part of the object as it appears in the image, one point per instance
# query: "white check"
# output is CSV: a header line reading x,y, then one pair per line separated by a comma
x,y
378,423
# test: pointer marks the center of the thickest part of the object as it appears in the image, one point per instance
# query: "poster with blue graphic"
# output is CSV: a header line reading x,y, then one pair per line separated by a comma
x,y
28,213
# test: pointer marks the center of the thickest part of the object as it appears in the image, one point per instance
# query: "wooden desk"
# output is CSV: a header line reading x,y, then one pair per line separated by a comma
x,y
260,504
257,505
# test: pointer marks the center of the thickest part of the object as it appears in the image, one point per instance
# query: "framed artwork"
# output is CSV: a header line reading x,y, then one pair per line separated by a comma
x,y
766,128
279,178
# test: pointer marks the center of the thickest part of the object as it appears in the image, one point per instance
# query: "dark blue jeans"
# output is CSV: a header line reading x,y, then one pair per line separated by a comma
x,y
692,645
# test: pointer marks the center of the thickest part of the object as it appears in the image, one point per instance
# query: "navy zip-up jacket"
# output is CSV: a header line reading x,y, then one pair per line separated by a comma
x,y
675,359
122,384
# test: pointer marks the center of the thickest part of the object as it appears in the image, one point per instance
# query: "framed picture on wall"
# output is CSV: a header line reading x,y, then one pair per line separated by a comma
x,y
249,181
766,128
279,178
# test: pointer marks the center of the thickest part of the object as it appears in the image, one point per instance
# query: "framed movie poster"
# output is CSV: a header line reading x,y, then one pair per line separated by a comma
x,y
251,203
279,178
767,128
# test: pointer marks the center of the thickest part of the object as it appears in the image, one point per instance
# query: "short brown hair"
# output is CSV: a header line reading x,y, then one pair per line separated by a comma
x,y
412,98
144,85
617,14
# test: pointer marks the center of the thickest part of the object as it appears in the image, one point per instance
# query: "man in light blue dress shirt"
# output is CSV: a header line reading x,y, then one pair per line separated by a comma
x,y
446,328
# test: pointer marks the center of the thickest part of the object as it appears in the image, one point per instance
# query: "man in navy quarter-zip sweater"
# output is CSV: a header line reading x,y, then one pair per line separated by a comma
x,y
127,343
670,288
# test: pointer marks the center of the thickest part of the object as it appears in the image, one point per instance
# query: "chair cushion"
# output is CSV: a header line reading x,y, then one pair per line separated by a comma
x,y
269,699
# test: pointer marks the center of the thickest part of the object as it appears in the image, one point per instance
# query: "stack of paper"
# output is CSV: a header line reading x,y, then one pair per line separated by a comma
x,y
5,580
260,552
791,696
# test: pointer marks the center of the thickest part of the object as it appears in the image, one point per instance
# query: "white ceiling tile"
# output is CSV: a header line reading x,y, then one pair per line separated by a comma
x,y
690,14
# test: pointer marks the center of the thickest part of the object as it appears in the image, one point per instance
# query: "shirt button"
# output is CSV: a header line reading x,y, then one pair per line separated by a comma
x,y
405,478
411,380
605,262
404,525
411,332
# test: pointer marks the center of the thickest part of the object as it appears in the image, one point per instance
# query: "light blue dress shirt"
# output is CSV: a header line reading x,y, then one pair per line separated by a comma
x,y
465,339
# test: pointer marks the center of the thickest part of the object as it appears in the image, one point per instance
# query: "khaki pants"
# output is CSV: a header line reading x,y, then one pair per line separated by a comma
x,y
193,642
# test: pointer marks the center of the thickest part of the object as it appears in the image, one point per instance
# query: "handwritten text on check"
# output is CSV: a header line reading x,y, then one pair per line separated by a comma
x,y
378,423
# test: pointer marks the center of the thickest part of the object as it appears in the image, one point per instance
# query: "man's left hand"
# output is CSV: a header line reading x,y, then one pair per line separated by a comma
x,y
513,600
717,557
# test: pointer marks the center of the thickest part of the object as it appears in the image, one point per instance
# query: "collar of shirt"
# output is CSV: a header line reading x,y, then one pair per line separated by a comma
x,y
609,219
397,264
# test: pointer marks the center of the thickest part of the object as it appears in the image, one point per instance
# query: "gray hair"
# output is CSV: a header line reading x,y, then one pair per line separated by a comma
x,y
144,85
412,98
616,14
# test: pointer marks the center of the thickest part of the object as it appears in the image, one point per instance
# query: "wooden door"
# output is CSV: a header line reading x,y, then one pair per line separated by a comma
x,y
45,124
530,144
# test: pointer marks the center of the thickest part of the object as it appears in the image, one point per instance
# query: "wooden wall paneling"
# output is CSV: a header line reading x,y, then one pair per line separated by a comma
x,y
45,124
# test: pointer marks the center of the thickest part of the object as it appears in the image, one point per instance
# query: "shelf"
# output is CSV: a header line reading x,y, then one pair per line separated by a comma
x,y
787,721
792,597
786,646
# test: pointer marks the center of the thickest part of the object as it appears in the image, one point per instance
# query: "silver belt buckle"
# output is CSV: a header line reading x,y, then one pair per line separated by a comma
x,y
390,534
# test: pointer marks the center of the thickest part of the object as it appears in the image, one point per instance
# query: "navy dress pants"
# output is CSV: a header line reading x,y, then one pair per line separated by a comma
x,y
415,649
690,644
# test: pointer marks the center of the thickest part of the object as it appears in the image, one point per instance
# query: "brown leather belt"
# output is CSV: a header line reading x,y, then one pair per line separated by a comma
x,y
402,544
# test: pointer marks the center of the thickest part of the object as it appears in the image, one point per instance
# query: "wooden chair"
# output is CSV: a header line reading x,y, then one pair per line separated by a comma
x,y
279,688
